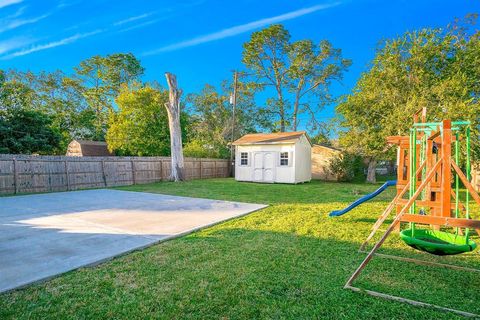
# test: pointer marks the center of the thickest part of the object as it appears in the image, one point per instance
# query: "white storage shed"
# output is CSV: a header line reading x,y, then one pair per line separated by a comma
x,y
283,157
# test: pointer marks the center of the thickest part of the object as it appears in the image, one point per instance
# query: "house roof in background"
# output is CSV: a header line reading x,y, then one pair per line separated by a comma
x,y
93,148
326,147
270,138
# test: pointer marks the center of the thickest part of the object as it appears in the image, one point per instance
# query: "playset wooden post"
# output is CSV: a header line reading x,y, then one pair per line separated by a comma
x,y
446,187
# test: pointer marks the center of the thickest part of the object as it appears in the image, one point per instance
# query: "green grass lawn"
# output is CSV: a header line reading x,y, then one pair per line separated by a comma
x,y
289,261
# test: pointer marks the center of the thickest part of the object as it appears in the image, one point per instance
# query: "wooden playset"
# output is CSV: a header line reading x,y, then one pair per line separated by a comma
x,y
428,198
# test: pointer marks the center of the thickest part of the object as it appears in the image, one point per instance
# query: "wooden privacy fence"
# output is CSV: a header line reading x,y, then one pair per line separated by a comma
x,y
28,174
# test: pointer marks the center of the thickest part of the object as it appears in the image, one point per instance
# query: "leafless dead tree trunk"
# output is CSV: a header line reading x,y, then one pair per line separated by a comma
x,y
173,111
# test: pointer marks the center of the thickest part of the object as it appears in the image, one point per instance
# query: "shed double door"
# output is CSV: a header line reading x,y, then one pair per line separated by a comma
x,y
264,166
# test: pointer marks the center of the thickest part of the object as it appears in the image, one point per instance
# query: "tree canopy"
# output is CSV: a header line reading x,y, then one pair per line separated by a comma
x,y
77,104
299,72
101,78
211,120
27,132
433,68
140,125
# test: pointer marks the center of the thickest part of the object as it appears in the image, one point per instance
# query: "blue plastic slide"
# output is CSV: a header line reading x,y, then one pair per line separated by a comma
x,y
367,197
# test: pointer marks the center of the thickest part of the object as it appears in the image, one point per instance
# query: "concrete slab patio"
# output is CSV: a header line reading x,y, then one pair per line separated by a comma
x,y
45,235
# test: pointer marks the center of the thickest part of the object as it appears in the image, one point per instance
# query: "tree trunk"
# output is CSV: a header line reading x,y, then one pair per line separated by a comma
x,y
173,111
391,167
372,166
282,122
281,107
296,104
295,113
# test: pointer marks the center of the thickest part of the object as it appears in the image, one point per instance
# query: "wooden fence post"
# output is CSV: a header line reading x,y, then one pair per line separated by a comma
x,y
67,175
161,170
15,176
201,168
214,168
103,173
133,171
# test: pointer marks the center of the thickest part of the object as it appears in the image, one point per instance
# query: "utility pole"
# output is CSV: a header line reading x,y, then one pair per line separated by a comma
x,y
233,101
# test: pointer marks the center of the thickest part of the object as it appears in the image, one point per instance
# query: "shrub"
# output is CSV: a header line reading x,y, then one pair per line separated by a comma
x,y
27,131
199,149
347,167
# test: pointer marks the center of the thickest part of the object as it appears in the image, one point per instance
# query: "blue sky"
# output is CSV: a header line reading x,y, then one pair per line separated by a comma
x,y
201,40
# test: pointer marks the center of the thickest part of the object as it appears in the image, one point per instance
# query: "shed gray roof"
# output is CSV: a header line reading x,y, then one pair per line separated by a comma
x,y
93,148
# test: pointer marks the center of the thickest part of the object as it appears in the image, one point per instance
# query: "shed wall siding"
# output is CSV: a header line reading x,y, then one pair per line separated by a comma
x,y
321,157
303,163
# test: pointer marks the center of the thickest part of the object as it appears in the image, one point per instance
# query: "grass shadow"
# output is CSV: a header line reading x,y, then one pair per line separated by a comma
x,y
313,192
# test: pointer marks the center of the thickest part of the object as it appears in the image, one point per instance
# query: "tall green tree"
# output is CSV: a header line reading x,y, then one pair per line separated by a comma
x,y
140,126
15,93
312,70
433,68
265,55
27,131
54,94
61,97
301,71
211,121
102,78
210,124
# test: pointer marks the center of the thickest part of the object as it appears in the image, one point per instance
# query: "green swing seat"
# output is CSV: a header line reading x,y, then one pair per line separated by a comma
x,y
437,242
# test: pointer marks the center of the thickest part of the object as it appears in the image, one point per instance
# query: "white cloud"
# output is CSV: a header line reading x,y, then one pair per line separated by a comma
x,y
14,43
65,3
16,14
141,25
5,3
10,45
131,19
12,24
233,31
53,44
